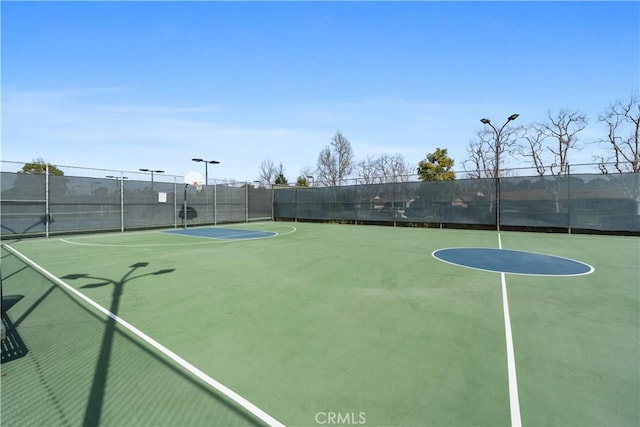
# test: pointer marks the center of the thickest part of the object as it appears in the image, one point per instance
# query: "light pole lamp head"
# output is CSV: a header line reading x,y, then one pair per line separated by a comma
x,y
485,121
514,116
214,162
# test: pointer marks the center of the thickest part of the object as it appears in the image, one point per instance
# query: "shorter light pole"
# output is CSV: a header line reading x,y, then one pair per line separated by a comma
x,y
152,172
312,180
206,167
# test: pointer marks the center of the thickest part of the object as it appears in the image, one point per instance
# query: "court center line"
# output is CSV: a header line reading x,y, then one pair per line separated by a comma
x,y
250,407
514,401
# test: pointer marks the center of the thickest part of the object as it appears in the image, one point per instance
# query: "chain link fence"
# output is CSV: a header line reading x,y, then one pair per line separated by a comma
x,y
587,200
572,202
44,204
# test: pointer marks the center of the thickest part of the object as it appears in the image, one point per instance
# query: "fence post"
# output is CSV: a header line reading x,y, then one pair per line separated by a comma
x,y
122,202
569,197
273,200
47,211
497,204
356,199
394,208
175,203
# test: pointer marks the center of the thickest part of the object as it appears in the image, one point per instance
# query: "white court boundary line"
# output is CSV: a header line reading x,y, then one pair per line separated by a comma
x,y
244,403
514,400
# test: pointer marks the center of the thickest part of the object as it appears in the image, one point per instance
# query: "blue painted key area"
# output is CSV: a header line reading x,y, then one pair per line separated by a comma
x,y
514,262
223,233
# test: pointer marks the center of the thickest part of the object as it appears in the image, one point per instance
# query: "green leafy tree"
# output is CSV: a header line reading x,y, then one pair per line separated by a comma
x,y
279,174
281,180
438,166
302,181
39,167
31,180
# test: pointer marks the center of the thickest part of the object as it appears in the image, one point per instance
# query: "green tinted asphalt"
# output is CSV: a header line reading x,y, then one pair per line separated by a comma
x,y
355,320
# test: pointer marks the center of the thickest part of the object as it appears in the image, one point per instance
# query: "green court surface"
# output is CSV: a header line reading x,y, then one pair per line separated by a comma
x,y
316,324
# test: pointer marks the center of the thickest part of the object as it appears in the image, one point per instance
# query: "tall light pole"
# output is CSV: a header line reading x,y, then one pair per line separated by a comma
x,y
152,172
206,167
496,166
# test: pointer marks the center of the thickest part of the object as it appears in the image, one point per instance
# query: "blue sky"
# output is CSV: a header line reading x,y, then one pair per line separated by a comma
x,y
129,85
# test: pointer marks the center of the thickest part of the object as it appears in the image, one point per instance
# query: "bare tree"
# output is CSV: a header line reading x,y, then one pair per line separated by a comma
x,y
533,146
392,168
623,140
335,162
383,169
480,163
366,170
268,172
487,151
602,162
550,143
482,154
563,128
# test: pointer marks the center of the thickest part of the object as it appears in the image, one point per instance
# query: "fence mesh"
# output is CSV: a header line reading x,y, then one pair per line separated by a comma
x,y
23,203
36,204
39,204
604,202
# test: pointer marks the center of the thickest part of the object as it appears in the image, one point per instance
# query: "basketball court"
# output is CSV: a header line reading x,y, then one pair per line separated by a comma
x,y
300,323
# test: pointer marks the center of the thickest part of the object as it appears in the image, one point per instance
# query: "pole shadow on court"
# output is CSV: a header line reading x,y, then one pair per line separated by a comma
x,y
99,383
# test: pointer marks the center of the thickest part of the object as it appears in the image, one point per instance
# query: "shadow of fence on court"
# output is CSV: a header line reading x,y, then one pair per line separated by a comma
x,y
82,368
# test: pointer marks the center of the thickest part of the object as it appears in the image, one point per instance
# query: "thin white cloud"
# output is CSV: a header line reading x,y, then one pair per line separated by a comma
x,y
104,129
